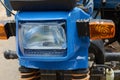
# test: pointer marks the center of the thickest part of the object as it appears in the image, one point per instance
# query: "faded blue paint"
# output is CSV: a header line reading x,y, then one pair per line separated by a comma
x,y
77,47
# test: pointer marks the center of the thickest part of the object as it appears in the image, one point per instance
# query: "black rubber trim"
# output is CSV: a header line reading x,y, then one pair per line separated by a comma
x,y
10,28
83,28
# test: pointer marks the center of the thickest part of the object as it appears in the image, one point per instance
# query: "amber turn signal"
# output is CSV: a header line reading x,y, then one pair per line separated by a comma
x,y
3,35
101,29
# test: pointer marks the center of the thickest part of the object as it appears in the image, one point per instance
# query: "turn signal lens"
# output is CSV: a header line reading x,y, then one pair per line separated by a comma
x,y
101,29
3,34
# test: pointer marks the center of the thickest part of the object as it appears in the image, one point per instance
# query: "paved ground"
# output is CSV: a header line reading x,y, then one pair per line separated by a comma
x,y
8,68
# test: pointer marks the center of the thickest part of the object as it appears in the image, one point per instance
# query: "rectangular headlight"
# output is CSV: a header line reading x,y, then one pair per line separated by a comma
x,y
42,36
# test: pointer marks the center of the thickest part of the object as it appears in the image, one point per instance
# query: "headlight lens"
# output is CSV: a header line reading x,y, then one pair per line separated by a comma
x,y
42,36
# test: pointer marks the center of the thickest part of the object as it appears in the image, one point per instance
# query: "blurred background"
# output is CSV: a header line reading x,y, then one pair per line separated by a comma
x,y
8,68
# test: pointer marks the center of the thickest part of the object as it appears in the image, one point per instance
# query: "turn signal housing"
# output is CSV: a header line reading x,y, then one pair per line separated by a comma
x,y
101,29
7,29
3,34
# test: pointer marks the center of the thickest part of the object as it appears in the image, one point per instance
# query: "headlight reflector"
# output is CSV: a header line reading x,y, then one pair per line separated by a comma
x,y
42,36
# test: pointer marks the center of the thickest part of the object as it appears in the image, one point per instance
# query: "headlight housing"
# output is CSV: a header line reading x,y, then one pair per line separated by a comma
x,y
42,36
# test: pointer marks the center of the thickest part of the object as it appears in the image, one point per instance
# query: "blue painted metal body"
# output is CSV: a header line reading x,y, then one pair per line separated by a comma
x,y
77,47
109,3
7,3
